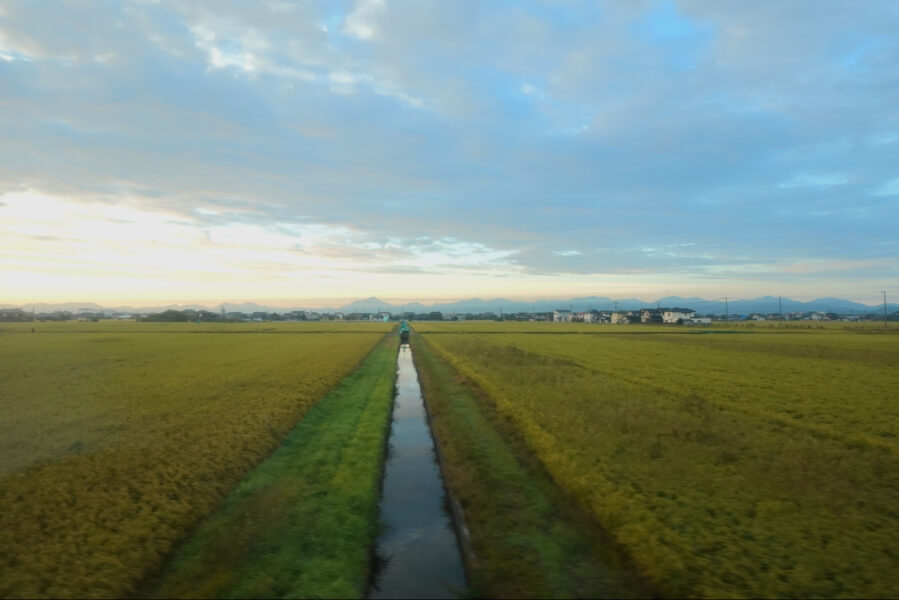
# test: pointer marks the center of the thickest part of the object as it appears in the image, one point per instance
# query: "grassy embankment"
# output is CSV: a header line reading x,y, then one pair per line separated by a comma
x,y
528,538
302,524
728,465
116,438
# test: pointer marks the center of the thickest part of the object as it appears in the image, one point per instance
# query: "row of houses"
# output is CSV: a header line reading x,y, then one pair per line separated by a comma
x,y
674,316
14,314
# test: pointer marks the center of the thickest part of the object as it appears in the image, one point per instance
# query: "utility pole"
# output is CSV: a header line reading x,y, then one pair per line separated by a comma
x,y
884,308
726,311
780,308
616,305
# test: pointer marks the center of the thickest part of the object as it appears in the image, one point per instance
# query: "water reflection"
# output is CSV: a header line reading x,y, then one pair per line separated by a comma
x,y
418,543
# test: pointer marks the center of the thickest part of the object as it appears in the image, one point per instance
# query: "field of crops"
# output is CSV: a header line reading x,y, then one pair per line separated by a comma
x,y
303,523
760,463
528,538
115,438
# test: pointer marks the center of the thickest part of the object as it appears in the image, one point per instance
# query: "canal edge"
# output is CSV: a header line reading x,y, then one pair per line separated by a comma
x,y
457,514
374,561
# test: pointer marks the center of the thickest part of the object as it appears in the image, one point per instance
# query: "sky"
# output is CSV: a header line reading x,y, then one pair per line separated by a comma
x,y
155,151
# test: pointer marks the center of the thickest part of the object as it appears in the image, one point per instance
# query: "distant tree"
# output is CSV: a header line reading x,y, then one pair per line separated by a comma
x,y
170,316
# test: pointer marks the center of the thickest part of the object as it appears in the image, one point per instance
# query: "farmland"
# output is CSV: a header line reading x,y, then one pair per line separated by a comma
x,y
117,437
301,524
753,462
529,539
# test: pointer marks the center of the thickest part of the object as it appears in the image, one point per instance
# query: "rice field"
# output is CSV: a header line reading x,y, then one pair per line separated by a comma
x,y
754,463
528,538
116,438
301,524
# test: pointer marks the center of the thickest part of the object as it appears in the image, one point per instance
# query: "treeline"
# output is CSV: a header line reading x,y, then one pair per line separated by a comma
x,y
168,316
11,315
183,316
180,316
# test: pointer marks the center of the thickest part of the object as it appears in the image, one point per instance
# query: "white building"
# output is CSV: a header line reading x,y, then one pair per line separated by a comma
x,y
562,316
698,321
672,315
620,317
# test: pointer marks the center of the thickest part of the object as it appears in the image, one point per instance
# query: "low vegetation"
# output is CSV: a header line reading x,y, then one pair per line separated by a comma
x,y
302,524
754,464
528,539
494,326
116,438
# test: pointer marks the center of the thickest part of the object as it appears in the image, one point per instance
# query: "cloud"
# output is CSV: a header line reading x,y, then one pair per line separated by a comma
x,y
815,181
890,188
90,237
559,140
362,22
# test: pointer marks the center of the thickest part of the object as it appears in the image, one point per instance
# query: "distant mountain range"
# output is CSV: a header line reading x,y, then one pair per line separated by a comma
x,y
766,304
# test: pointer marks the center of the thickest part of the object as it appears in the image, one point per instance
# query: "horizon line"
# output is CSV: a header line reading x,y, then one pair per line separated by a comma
x,y
335,303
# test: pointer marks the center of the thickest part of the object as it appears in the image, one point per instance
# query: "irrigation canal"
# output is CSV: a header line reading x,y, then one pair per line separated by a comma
x,y
418,545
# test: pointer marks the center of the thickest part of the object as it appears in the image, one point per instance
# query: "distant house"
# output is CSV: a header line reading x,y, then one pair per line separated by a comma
x,y
562,316
14,314
698,321
673,315
650,315
621,317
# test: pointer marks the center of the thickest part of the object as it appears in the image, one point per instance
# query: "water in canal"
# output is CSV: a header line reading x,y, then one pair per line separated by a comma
x,y
418,543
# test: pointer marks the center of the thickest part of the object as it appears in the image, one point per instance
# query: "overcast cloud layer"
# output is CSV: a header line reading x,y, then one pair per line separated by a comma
x,y
443,149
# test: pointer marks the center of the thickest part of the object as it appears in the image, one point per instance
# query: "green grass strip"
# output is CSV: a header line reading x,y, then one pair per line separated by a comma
x,y
528,538
302,524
